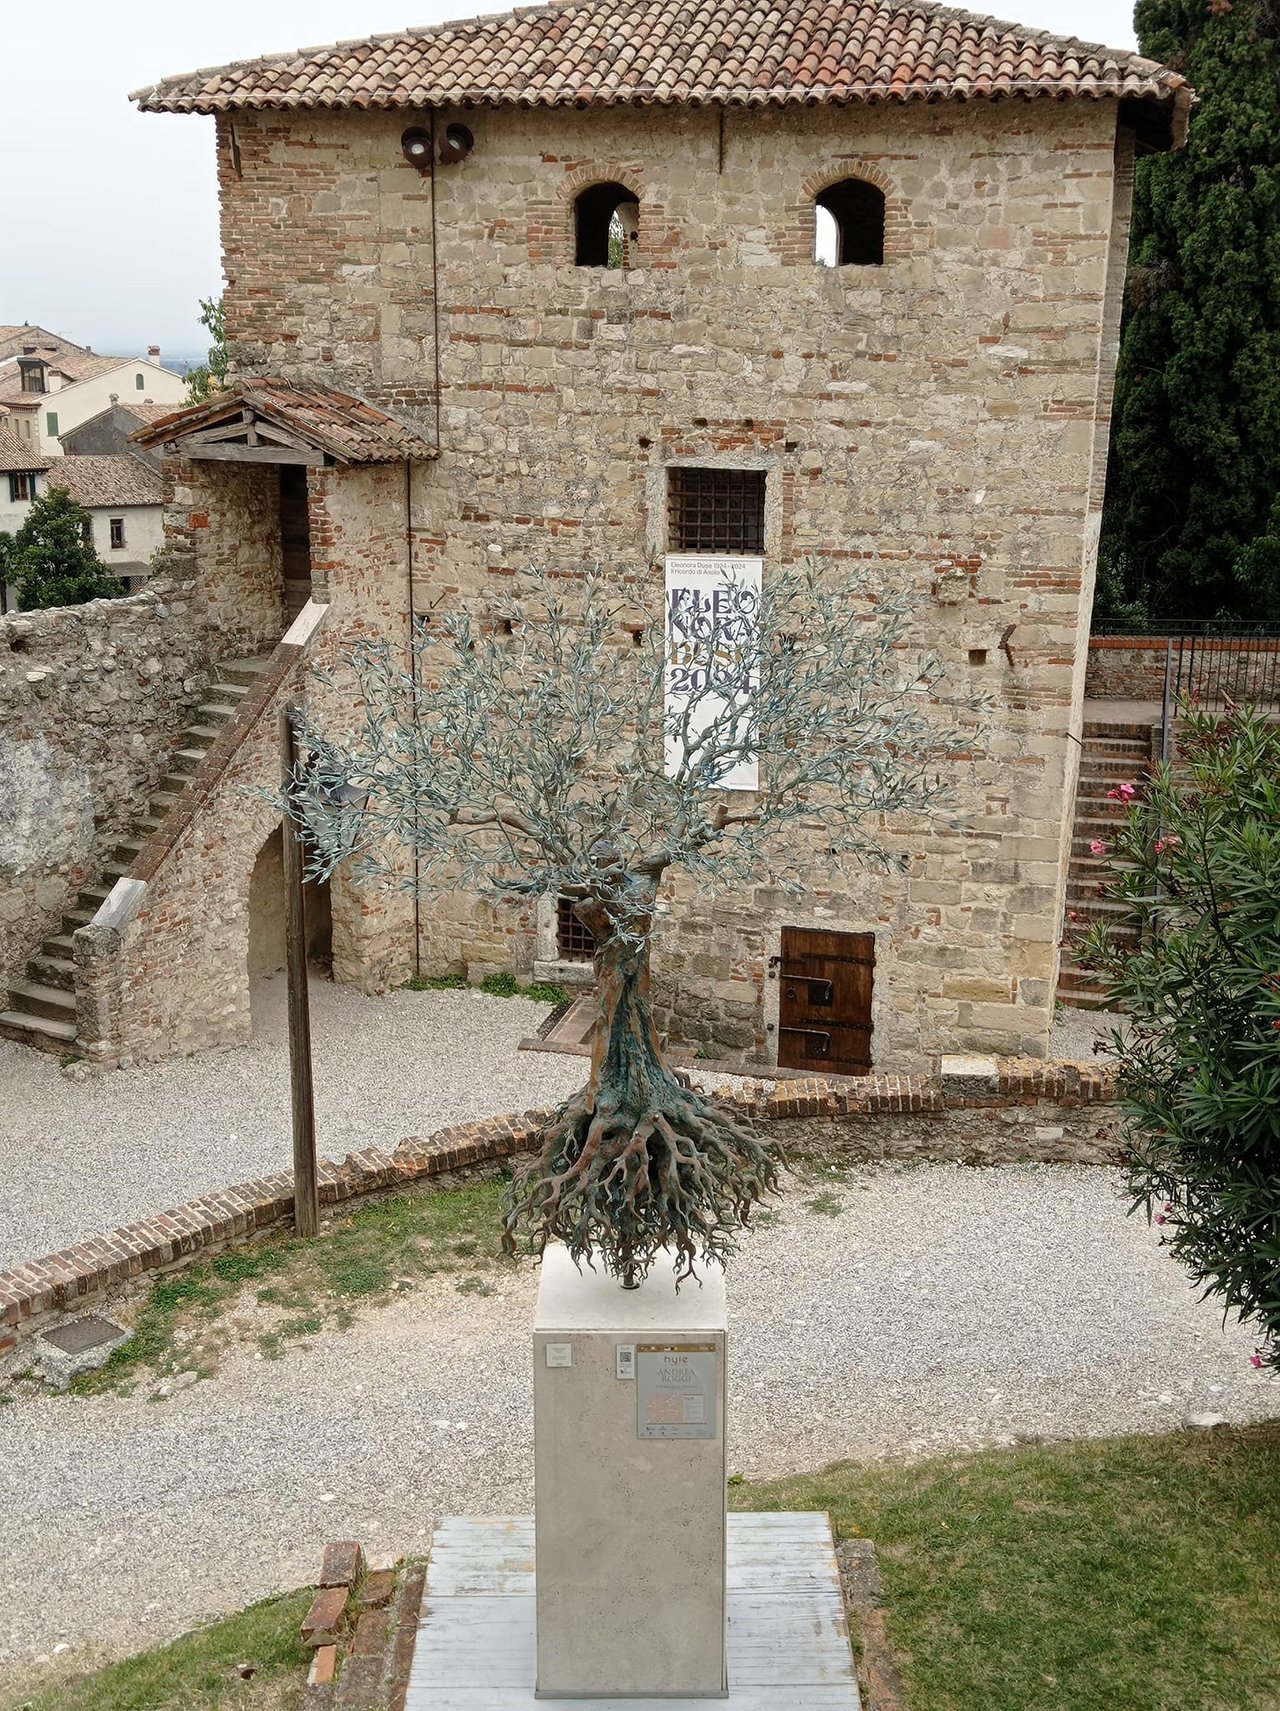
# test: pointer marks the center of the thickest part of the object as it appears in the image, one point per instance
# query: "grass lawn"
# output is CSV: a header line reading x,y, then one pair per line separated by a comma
x,y
1127,1574
202,1671
278,1292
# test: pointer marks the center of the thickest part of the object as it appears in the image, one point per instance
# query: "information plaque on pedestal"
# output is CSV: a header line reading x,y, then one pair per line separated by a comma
x,y
629,1461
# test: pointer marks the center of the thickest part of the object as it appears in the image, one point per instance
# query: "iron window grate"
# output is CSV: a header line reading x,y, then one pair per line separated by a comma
x,y
716,510
574,942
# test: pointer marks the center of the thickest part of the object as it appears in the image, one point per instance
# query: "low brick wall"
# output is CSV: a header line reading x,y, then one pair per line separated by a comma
x,y
1046,1112
1125,668
1132,668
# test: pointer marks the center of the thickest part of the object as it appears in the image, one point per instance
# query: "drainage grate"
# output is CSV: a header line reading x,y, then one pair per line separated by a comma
x,y
81,1335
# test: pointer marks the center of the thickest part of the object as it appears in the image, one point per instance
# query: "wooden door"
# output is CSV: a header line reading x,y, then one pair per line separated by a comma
x,y
824,1001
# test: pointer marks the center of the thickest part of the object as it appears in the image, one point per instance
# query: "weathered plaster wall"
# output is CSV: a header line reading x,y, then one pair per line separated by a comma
x,y
91,700
932,425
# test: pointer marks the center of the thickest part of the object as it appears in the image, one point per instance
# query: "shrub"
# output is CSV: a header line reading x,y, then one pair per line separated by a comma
x,y
1197,860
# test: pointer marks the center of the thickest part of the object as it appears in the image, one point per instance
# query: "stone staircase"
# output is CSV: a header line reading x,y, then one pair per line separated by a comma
x,y
42,1007
1111,754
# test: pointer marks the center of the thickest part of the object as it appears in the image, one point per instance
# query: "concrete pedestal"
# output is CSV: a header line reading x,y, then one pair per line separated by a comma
x,y
629,1469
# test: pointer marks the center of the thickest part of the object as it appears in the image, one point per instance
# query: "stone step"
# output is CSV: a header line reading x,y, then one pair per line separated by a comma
x,y
147,823
77,918
1138,747
216,712
202,736
52,971
242,671
59,945
160,804
41,1032
1110,728
31,998
174,783
116,870
127,848
92,897
187,759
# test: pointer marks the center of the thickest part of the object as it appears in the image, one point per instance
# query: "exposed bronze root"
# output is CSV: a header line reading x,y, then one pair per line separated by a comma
x,y
624,1179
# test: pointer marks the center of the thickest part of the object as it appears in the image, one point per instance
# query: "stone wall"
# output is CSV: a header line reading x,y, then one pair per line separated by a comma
x,y
1126,668
92,699
175,976
1132,668
933,425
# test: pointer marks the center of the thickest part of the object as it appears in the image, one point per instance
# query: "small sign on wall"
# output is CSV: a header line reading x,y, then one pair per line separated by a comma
x,y
712,638
676,1390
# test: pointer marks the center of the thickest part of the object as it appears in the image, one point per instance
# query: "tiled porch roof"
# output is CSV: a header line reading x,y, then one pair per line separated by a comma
x,y
344,428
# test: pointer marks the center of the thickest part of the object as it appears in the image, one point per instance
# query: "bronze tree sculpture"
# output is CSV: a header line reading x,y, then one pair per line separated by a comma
x,y
561,746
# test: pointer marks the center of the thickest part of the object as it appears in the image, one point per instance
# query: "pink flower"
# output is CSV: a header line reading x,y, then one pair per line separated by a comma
x,y
1128,791
1255,1360
1097,847
1160,1218
1172,842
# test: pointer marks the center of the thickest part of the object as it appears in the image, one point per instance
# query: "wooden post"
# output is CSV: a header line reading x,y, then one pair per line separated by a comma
x,y
306,1190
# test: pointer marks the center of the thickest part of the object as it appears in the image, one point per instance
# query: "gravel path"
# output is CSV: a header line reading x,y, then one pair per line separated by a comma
x,y
79,1156
1076,1033
938,1307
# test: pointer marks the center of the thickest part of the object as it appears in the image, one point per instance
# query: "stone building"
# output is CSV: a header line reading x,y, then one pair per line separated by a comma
x,y
504,291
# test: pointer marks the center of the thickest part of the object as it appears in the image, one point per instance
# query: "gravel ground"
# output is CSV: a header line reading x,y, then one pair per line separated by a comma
x,y
1076,1032
938,1308
80,1156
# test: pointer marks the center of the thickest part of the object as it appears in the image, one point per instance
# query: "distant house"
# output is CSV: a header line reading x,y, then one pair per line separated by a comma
x,y
49,392
108,433
22,476
123,497
14,340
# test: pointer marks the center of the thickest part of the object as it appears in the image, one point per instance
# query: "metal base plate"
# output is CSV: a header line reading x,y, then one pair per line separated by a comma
x,y
788,1640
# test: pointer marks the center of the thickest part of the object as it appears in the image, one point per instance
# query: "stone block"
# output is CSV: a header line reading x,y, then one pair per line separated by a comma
x,y
969,1077
630,1527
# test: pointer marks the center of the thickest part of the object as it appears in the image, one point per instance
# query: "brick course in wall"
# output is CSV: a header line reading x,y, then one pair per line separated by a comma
x,y
1052,1112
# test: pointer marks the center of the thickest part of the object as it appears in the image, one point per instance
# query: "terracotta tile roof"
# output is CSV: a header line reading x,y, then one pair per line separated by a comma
x,y
146,412
739,52
71,368
345,428
119,480
16,456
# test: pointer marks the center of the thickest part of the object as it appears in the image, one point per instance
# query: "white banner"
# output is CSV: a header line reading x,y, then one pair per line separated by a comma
x,y
712,634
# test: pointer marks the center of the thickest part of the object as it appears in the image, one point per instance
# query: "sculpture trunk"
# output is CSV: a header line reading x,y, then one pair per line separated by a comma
x,y
638,1160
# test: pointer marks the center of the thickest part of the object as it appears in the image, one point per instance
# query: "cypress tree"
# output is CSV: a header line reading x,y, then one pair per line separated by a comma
x,y
1192,520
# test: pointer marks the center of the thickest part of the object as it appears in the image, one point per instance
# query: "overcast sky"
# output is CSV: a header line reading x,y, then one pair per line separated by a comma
x,y
108,220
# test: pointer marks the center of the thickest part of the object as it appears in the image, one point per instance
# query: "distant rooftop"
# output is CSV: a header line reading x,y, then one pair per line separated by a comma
x,y
118,480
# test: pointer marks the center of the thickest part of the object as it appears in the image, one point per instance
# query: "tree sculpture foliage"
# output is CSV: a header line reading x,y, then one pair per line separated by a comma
x,y
558,748
1197,861
1192,520
51,561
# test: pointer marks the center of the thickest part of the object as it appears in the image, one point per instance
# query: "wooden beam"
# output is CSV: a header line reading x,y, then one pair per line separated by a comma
x,y
248,454
306,1188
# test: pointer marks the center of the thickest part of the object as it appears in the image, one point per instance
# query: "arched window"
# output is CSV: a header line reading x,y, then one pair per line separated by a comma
x,y
606,219
849,224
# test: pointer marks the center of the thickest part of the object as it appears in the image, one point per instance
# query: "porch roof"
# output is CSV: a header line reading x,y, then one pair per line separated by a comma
x,y
270,420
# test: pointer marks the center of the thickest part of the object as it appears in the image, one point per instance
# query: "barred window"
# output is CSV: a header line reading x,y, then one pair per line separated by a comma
x,y
716,510
574,942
